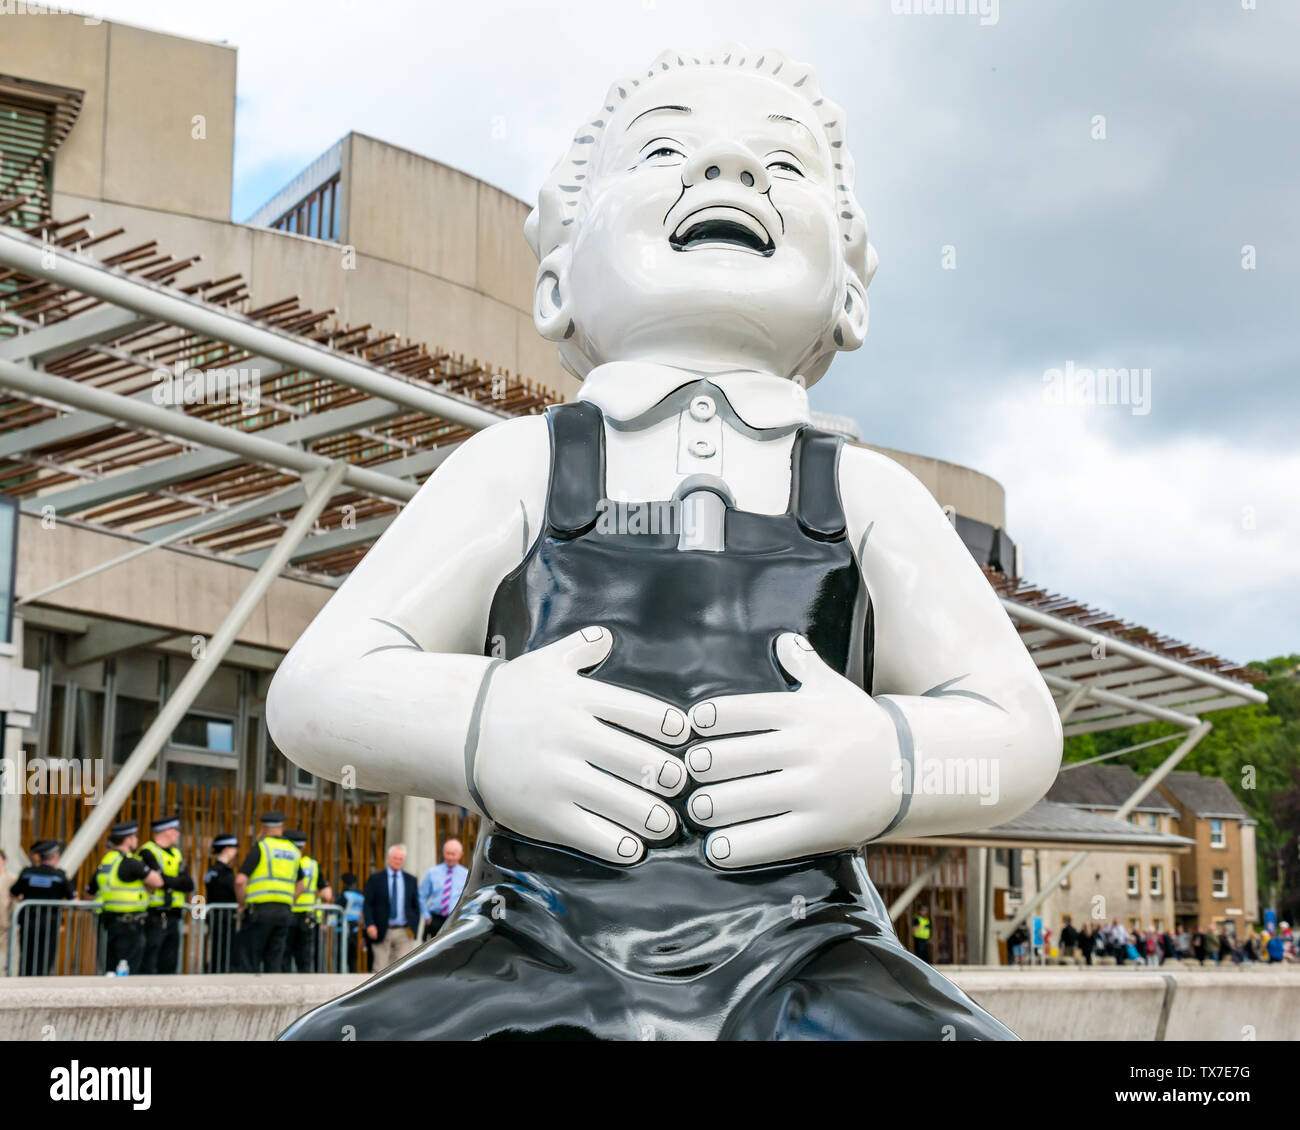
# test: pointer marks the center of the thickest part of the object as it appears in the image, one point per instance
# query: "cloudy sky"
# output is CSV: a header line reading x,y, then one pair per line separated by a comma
x,y
1055,183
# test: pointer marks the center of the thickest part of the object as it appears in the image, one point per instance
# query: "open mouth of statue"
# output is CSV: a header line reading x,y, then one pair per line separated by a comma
x,y
722,226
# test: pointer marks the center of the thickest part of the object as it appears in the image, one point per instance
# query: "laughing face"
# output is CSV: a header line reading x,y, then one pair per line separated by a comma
x,y
711,236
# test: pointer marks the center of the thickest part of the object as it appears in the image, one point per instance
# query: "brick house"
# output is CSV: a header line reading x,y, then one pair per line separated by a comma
x,y
1216,881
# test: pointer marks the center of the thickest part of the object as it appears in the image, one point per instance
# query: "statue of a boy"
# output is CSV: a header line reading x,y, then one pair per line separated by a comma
x,y
684,652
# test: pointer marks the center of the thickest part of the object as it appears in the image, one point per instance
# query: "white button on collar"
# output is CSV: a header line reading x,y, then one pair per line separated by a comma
x,y
703,408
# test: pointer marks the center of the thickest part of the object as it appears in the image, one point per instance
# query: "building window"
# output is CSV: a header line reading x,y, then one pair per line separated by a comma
x,y
1217,839
206,732
131,718
1134,880
88,726
1153,821
276,770
316,214
202,776
1157,879
1220,883
35,117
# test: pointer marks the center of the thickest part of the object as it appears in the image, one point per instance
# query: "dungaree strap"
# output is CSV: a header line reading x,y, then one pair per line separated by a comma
x,y
815,488
577,468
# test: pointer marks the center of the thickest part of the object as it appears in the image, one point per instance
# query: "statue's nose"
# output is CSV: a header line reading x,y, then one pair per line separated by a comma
x,y
727,163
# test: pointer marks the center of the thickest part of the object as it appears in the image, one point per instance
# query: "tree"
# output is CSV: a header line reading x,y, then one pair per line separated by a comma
x,y
1256,750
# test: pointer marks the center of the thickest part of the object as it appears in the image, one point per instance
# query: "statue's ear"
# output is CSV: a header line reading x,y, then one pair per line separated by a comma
x,y
551,306
851,322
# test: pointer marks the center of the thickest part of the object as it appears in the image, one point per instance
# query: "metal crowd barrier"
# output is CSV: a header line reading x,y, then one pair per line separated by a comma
x,y
49,937
56,937
211,942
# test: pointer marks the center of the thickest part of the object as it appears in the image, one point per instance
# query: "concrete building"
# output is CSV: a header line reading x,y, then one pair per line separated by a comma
x,y
1137,890
1217,883
1199,871
383,302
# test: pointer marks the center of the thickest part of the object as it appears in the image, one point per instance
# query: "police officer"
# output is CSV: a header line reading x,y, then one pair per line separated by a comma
x,y
219,887
44,879
921,934
162,924
300,949
265,888
121,885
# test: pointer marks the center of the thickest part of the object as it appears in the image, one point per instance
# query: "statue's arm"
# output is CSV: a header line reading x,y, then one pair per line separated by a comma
x,y
963,693
385,679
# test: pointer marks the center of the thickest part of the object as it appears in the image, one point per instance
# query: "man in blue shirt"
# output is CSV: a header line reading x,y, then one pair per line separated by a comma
x,y
441,887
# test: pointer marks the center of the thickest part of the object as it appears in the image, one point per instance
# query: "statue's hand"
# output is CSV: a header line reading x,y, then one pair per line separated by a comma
x,y
548,766
819,777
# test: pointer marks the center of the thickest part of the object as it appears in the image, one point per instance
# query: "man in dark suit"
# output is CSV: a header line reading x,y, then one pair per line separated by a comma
x,y
391,910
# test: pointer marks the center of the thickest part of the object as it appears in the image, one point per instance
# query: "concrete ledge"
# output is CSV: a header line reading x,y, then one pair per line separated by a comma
x,y
1045,1004
231,1007
1259,1002
1065,1005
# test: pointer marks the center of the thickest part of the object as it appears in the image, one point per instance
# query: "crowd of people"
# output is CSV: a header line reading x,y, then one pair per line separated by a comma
x,y
263,914
1149,946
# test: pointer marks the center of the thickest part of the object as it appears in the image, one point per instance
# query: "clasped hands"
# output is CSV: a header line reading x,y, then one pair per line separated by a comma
x,y
776,776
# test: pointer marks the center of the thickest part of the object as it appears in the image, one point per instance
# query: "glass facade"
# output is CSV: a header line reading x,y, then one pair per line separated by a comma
x,y
103,709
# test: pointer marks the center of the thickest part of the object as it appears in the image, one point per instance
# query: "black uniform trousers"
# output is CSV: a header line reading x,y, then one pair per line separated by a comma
x,y
162,940
263,937
125,941
300,946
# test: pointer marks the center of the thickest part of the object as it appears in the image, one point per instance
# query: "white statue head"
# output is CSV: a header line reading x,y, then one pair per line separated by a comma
x,y
705,218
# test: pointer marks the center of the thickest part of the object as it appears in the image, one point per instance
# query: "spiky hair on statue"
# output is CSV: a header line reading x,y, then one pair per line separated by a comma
x,y
563,198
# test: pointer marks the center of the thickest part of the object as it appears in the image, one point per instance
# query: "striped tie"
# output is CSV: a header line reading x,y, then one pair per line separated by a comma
x,y
446,895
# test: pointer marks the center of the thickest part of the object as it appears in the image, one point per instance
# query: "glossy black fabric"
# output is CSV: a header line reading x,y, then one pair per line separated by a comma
x,y
548,942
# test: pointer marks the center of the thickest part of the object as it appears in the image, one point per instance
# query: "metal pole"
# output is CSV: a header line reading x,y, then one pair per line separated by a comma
x,y
1072,701
180,701
1133,705
1118,752
1197,732
220,516
1115,646
986,929
170,422
43,260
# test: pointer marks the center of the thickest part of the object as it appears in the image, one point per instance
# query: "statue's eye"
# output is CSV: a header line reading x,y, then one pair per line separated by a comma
x,y
786,167
664,152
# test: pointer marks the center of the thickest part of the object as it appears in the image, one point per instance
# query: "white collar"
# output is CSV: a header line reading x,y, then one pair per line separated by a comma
x,y
625,389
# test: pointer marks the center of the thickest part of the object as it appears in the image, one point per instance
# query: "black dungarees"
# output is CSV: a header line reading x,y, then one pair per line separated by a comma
x,y
548,942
